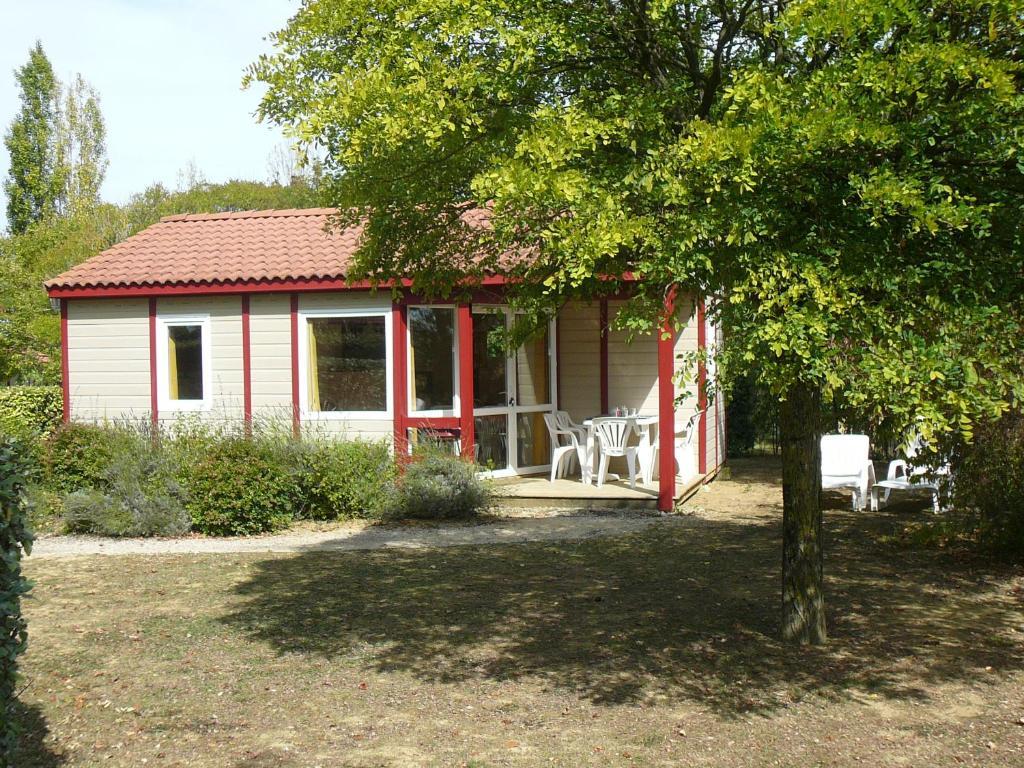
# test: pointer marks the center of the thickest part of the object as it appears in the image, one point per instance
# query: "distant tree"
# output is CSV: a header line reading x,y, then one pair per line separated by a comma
x,y
35,182
81,149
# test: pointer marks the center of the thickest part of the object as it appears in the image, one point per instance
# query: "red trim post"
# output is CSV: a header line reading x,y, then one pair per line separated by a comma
x,y
153,400
65,366
400,383
467,426
246,366
667,408
702,393
296,418
604,356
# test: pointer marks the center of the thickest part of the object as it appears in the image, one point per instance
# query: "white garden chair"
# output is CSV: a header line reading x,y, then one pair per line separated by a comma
x,y
912,475
845,464
686,463
564,421
565,446
612,437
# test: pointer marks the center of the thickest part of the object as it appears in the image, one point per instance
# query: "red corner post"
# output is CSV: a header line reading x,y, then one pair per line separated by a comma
x,y
65,366
296,417
466,424
246,366
604,356
153,400
702,392
667,408
400,383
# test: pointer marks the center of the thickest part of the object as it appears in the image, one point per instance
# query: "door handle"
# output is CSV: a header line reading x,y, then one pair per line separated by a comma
x,y
511,401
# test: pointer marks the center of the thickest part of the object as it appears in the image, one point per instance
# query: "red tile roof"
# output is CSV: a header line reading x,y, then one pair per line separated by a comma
x,y
217,249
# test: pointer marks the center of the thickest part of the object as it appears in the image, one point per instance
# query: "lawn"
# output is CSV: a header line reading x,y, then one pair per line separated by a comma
x,y
654,649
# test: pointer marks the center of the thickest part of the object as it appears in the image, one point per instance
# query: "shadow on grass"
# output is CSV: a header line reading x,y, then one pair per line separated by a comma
x,y
32,751
685,611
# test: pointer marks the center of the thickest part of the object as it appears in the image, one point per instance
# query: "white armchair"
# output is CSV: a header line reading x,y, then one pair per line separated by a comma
x,y
686,463
565,447
912,475
845,464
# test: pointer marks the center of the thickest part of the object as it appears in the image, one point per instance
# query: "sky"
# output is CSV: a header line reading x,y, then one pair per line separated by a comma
x,y
169,76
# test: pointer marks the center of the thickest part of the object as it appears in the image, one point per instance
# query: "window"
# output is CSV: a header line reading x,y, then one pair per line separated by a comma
x,y
431,359
346,364
184,375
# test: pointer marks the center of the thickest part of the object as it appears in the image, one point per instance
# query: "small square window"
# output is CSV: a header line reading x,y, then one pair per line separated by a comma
x,y
184,377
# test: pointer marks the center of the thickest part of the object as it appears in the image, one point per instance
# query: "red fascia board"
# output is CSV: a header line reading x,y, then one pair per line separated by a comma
x,y
237,288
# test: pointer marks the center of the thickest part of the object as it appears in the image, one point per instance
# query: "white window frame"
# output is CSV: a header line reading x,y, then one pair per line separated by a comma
x,y
310,314
163,323
435,413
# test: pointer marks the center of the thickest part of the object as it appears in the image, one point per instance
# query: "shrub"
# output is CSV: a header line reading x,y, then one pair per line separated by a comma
x,y
28,412
239,486
437,486
344,479
78,456
989,488
140,496
15,540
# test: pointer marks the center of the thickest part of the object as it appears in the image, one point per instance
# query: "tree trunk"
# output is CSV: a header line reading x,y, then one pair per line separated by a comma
x,y
803,601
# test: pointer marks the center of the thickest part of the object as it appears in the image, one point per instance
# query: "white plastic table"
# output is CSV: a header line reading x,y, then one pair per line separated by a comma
x,y
645,450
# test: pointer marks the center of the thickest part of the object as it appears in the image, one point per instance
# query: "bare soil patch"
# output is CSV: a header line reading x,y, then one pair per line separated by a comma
x,y
656,648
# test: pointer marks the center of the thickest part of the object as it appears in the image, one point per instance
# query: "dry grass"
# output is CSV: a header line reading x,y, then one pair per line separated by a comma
x,y
654,649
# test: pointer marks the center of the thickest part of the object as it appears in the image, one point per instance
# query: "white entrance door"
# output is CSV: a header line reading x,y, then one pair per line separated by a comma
x,y
511,394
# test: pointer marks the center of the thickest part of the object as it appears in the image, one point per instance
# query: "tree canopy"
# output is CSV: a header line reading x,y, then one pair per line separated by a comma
x,y
842,180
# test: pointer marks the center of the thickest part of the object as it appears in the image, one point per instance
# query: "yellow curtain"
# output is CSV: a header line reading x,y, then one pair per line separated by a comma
x,y
172,366
314,380
541,449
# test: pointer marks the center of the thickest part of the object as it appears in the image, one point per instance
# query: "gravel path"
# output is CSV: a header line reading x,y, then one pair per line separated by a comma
x,y
362,536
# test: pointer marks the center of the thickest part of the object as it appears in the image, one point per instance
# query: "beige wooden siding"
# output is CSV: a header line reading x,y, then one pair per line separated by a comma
x,y
579,359
367,429
228,396
108,359
270,361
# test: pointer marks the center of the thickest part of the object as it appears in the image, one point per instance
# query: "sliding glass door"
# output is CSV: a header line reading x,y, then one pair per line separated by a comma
x,y
511,394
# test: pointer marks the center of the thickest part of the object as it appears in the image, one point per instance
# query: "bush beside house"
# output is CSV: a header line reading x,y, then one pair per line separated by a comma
x,y
122,480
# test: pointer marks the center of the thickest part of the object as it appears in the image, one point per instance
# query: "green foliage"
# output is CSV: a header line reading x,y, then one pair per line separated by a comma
x,y
140,495
845,183
82,149
344,479
33,185
989,488
438,486
30,411
78,456
15,540
239,487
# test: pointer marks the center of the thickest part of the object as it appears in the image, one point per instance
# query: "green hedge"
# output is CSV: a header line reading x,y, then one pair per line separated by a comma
x,y
29,411
15,539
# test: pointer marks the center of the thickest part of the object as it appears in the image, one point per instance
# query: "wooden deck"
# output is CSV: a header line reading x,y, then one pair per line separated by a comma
x,y
538,491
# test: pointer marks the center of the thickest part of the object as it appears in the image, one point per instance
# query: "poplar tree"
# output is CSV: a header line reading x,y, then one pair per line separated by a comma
x,y
35,182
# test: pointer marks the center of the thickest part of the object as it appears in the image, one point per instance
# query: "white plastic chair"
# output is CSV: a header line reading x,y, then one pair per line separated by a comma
x,y
612,437
910,475
845,464
564,421
565,444
686,464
